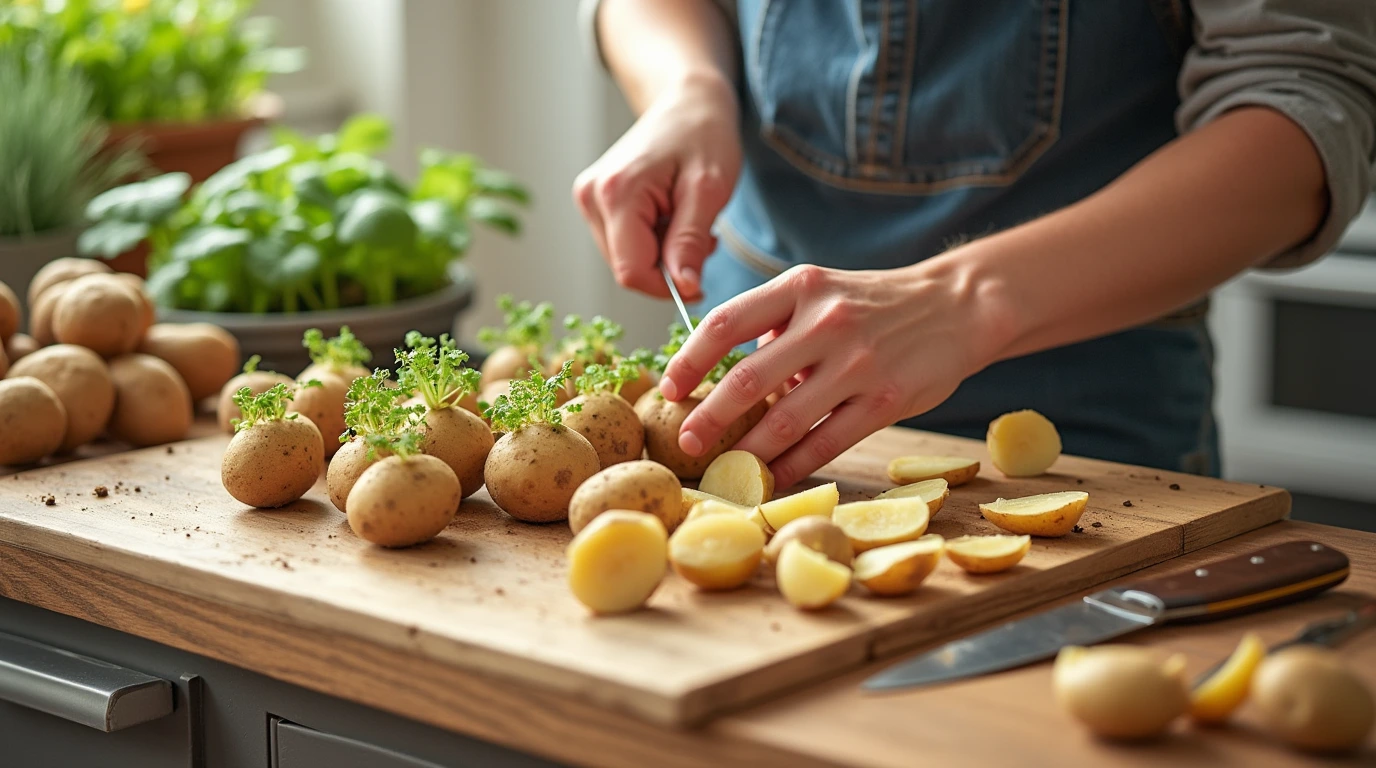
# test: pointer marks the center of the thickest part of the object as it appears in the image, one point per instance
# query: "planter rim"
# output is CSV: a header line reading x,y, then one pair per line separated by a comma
x,y
45,237
264,107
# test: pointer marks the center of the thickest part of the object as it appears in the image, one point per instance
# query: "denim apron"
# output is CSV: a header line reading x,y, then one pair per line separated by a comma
x,y
880,132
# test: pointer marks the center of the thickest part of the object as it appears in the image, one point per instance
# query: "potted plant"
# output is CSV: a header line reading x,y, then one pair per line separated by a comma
x,y
312,233
52,163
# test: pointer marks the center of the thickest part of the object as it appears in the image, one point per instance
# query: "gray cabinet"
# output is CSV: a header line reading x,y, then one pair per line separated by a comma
x,y
295,746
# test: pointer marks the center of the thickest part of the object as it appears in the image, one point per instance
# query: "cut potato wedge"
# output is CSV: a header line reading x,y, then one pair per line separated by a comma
x,y
809,580
618,560
691,497
935,492
1023,443
878,522
716,551
815,532
739,477
898,569
814,501
953,469
719,507
1047,514
988,554
1225,690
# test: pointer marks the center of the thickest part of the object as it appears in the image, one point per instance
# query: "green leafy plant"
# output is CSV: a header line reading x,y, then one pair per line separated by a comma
x,y
262,408
435,370
592,340
310,224
342,351
678,335
607,378
530,401
152,60
371,408
525,326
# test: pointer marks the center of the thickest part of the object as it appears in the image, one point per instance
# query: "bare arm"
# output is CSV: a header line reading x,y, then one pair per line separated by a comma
x,y
653,46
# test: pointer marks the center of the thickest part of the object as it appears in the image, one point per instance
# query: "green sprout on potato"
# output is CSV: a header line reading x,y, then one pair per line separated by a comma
x,y
260,409
678,336
530,401
592,340
527,326
342,351
372,413
607,378
435,370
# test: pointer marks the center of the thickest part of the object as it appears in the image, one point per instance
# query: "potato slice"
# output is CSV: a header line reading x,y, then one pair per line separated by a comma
x,y
815,532
935,492
1225,690
898,568
713,506
878,522
691,497
740,477
718,551
1046,514
955,470
988,554
809,580
1023,443
617,561
814,501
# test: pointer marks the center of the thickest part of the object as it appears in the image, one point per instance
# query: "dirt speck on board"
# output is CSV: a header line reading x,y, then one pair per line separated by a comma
x,y
50,500
412,631
1077,529
1175,486
472,559
169,449
101,491
1079,481
774,626
138,489
1096,524
499,592
1127,503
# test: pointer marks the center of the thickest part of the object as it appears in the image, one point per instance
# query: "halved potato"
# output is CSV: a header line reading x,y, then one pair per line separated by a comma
x,y
617,561
955,470
814,501
740,477
935,492
718,551
1023,443
1046,514
815,532
691,497
879,522
808,579
1225,690
898,568
713,506
988,554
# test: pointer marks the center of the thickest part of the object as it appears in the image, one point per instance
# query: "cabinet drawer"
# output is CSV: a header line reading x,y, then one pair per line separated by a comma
x,y
295,746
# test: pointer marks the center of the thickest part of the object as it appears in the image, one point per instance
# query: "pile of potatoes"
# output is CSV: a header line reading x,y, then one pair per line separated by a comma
x,y
94,363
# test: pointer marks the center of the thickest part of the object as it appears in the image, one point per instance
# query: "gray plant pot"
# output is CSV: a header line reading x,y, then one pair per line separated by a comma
x,y
21,258
277,337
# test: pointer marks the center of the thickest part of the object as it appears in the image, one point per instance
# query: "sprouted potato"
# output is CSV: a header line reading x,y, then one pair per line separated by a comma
x,y
517,346
435,372
405,499
336,363
600,414
257,382
274,456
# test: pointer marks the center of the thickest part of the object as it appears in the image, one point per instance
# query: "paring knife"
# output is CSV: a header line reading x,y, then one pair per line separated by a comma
x,y
1329,633
1262,579
661,228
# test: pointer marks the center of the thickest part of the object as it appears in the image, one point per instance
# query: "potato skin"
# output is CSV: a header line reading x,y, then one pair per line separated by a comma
x,y
258,382
637,486
9,314
205,355
41,312
32,420
19,346
81,380
1121,692
4,362
1311,701
816,533
461,440
349,464
610,424
323,405
632,391
149,312
663,419
99,312
62,270
506,362
398,503
274,463
152,403
533,472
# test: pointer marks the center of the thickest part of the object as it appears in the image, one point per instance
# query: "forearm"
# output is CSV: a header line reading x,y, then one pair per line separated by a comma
x,y
1187,218
652,46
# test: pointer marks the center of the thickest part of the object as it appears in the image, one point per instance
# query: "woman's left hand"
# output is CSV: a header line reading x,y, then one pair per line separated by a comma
x,y
855,350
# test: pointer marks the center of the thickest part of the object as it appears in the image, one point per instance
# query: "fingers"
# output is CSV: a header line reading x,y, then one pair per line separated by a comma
x,y
790,418
736,322
622,208
586,200
847,425
699,195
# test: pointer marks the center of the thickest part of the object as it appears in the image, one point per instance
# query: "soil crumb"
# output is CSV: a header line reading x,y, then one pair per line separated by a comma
x,y
101,491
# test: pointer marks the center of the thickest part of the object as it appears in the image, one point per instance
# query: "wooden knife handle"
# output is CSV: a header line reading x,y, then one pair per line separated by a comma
x,y
1267,577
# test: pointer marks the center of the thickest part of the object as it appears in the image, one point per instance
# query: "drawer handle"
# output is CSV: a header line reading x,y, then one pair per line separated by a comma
x,y
78,688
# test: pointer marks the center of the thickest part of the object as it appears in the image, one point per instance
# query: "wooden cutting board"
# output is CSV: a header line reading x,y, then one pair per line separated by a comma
x,y
489,594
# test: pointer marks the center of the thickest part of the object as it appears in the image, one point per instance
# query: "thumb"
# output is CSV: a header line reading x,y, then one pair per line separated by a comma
x,y
688,241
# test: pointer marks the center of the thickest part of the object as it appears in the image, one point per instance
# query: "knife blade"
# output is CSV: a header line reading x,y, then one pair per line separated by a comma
x,y
673,291
1329,633
1261,579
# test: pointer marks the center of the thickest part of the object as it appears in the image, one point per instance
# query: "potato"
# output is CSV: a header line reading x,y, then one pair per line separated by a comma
x,y
714,506
610,424
1046,514
10,320
508,363
878,522
323,405
148,311
461,440
1121,691
32,420
41,314
4,362
20,346
820,501
1023,443
640,486
152,403
663,419
206,356
273,463
898,569
257,382
1213,700
1311,701
401,502
808,579
739,477
618,561
633,390
349,464
346,372
716,551
988,554
63,270
935,492
955,470
99,312
492,389
81,380
532,473
691,497
814,532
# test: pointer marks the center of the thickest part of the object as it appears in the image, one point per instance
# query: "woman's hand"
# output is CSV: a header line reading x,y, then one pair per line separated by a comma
x,y
680,160
856,351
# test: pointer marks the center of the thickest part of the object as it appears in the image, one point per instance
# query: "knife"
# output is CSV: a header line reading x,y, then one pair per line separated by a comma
x,y
1329,633
673,291
1267,577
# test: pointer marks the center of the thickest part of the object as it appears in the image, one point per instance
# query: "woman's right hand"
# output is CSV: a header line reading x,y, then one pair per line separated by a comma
x,y
679,161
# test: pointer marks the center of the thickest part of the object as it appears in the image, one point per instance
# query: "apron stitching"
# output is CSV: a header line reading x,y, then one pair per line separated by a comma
x,y
852,89
905,93
881,66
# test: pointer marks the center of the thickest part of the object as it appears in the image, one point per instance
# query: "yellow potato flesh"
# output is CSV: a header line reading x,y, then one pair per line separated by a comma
x,y
617,561
738,477
878,522
955,470
814,501
987,554
808,579
1120,691
716,551
1225,690
714,506
898,568
1023,443
935,492
1047,514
